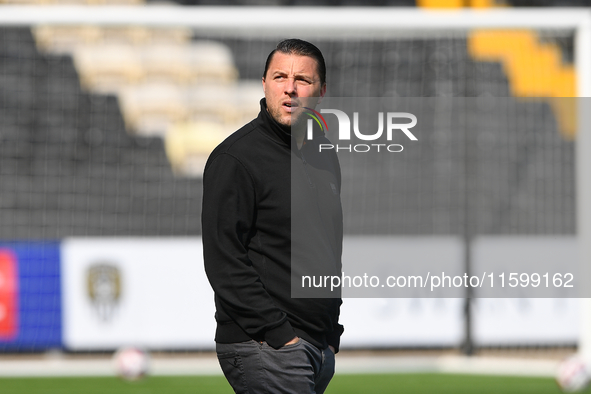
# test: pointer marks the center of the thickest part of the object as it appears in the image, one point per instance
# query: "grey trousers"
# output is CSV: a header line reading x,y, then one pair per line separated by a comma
x,y
256,368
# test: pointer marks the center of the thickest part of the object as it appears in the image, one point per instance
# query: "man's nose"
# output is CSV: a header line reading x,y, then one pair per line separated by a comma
x,y
290,86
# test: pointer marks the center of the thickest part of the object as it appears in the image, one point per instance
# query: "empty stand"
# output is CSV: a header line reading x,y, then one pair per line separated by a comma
x,y
67,166
425,192
160,75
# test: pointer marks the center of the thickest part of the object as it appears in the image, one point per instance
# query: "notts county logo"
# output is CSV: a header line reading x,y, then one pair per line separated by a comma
x,y
104,289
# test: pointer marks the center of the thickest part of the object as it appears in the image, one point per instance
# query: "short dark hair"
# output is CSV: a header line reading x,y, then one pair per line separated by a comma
x,y
295,46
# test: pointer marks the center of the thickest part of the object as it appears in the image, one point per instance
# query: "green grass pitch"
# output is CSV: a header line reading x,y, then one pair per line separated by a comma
x,y
415,383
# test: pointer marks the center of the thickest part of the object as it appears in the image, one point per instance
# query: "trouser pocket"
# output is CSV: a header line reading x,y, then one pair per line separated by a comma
x,y
233,369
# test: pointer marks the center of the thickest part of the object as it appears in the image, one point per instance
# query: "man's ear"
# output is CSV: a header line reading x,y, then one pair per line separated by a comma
x,y
263,84
322,93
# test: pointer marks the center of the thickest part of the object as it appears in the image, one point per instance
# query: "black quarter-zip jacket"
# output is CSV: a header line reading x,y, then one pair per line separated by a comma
x,y
267,204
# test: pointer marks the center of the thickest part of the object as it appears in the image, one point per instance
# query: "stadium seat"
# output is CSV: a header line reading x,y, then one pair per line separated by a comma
x,y
118,2
141,35
228,104
166,63
189,144
65,39
75,2
211,62
149,109
247,97
23,2
124,35
211,102
169,35
105,68
67,164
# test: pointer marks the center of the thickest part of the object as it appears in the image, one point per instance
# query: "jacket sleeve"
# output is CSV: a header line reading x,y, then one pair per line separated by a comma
x,y
334,337
228,214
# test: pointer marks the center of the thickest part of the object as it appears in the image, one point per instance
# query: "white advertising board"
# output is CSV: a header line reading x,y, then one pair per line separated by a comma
x,y
153,292
410,322
401,322
149,292
527,321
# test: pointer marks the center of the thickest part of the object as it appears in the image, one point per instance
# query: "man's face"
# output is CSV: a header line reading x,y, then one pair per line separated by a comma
x,y
288,84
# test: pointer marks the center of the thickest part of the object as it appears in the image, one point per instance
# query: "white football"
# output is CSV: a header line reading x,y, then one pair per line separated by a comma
x,y
573,374
131,363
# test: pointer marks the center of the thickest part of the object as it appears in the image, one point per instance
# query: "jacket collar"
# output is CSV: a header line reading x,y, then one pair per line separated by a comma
x,y
275,130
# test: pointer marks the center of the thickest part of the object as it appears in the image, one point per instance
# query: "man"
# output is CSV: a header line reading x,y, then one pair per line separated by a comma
x,y
271,198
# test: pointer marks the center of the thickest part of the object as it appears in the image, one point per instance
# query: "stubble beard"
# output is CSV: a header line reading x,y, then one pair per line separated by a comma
x,y
291,121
